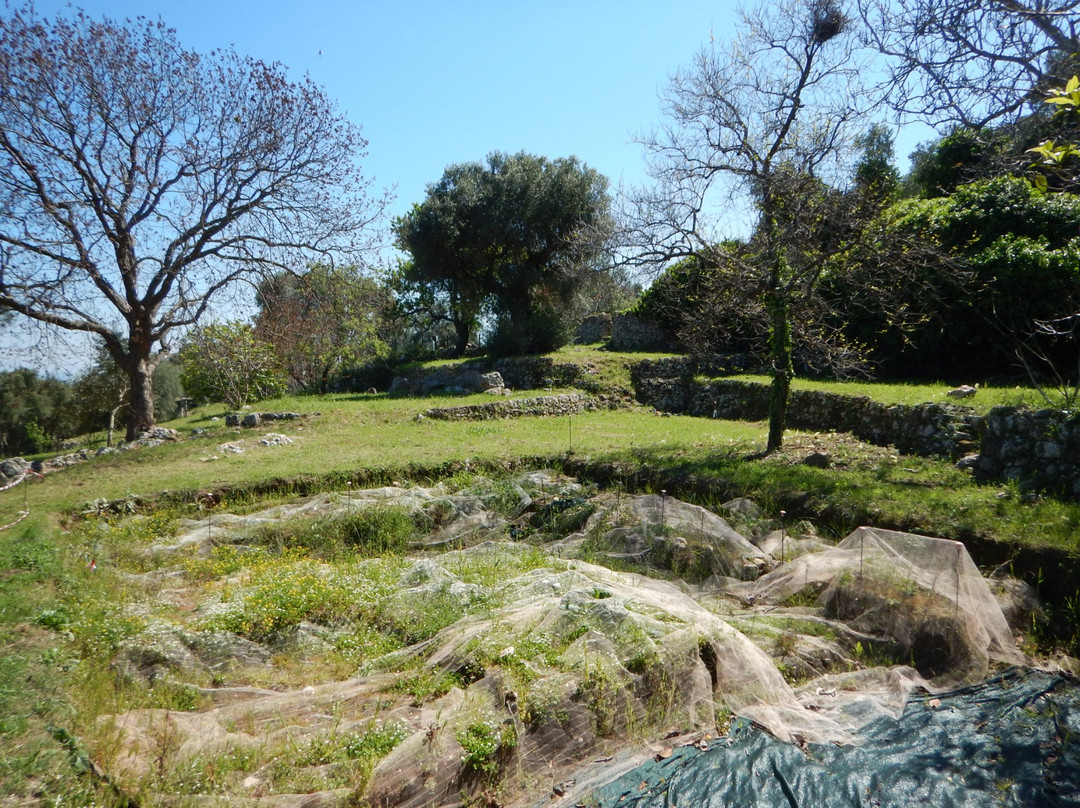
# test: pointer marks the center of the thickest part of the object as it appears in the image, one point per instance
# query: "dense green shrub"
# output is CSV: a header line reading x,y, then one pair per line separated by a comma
x,y
35,411
999,255
227,362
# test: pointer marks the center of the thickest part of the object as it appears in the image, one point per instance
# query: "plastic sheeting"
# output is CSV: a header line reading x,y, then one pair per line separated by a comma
x,y
1011,741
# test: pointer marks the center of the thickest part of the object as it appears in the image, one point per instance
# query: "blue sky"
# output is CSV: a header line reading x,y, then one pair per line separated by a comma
x,y
436,83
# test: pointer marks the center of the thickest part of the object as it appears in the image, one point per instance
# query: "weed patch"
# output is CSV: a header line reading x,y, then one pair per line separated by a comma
x,y
367,532
281,594
485,743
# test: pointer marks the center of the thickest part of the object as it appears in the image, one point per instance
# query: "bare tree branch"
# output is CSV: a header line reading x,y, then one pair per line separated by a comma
x,y
762,126
971,62
138,180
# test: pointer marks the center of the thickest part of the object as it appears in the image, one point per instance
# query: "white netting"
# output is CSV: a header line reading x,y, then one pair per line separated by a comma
x,y
923,594
666,533
573,658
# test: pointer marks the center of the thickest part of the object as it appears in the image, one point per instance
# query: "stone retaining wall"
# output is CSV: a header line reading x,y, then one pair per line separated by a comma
x,y
632,333
518,373
562,404
938,430
1038,448
537,372
594,328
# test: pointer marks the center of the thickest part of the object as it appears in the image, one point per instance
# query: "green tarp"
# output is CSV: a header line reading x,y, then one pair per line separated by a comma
x,y
1011,741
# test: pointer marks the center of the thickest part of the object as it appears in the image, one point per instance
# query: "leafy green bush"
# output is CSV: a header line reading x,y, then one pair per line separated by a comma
x,y
484,742
1007,256
227,362
36,437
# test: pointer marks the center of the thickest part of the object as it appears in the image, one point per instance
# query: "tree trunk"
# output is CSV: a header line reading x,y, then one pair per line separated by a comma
x,y
112,426
461,328
780,357
141,372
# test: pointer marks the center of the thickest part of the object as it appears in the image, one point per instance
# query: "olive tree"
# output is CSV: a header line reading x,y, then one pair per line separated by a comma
x,y
758,125
514,238
140,180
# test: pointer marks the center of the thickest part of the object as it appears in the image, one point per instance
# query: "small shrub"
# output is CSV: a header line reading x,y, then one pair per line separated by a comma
x,y
37,438
99,628
211,774
425,619
179,696
504,496
225,559
602,692
364,644
484,743
283,594
335,760
375,742
379,530
542,703
425,684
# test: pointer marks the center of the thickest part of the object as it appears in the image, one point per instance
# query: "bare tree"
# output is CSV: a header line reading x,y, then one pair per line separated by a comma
x,y
757,126
138,180
970,62
322,322
1041,353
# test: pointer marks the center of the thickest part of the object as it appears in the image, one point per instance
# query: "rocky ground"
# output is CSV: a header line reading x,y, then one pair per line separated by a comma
x,y
515,642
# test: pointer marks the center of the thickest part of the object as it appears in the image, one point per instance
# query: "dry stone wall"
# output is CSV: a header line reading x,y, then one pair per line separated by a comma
x,y
632,333
537,372
594,328
517,373
1039,449
563,404
939,430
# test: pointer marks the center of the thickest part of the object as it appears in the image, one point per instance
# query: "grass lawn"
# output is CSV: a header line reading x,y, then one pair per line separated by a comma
x,y
46,583
353,432
381,439
921,393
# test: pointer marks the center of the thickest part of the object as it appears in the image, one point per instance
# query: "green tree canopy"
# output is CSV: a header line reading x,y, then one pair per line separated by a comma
x,y
510,238
227,362
1002,255
35,412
